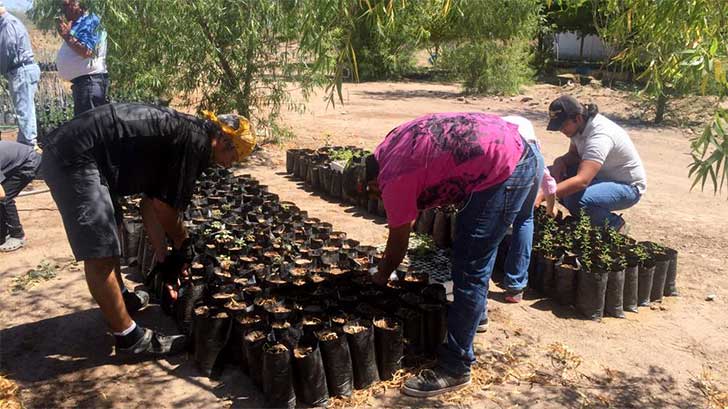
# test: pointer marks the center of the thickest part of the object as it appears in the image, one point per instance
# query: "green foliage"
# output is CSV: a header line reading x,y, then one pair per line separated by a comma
x,y
637,254
546,236
676,47
346,155
560,16
486,43
421,245
710,154
384,52
490,67
233,55
44,271
574,15
583,240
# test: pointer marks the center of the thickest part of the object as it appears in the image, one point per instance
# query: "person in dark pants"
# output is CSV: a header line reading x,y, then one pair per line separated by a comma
x,y
479,162
82,56
19,164
117,150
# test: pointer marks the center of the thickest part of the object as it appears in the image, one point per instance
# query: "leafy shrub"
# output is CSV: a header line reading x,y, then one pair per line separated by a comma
x,y
490,66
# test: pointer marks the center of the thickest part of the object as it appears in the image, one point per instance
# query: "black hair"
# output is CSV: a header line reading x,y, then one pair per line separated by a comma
x,y
372,168
590,110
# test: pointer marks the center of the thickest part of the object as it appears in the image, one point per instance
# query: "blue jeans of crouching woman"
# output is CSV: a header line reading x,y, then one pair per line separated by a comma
x,y
481,225
600,199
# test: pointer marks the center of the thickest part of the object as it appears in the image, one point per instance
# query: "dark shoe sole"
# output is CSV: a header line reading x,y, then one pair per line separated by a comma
x,y
426,394
482,328
149,345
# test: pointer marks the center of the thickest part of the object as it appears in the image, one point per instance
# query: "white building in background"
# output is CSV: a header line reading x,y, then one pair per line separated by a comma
x,y
569,46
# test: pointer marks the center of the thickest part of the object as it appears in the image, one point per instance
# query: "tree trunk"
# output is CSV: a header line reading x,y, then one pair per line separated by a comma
x,y
230,77
660,108
247,80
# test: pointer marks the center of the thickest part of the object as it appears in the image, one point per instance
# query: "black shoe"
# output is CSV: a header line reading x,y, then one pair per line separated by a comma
x,y
135,301
482,326
155,344
431,382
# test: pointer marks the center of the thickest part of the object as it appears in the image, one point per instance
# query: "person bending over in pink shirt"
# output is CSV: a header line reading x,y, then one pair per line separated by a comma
x,y
478,161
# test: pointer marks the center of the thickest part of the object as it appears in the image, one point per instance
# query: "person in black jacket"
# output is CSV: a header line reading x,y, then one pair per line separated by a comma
x,y
18,166
122,149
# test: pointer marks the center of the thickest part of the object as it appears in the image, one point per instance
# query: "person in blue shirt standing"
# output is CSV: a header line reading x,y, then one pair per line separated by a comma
x,y
19,68
82,57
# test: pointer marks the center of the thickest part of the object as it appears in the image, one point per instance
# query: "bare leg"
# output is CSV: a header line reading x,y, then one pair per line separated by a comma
x,y
117,267
104,287
154,230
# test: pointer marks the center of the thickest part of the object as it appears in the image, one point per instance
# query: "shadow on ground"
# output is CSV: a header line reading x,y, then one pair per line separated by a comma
x,y
347,208
409,94
61,360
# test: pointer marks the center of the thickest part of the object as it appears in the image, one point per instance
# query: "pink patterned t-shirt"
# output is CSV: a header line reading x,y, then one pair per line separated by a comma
x,y
439,159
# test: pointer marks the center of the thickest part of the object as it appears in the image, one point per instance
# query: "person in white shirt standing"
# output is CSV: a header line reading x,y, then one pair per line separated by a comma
x,y
519,251
602,171
82,57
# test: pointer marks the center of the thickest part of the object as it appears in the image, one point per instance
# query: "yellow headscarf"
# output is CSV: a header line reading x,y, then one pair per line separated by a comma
x,y
238,129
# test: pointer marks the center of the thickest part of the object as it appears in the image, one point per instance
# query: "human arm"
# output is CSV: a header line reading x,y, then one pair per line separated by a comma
x,y
563,162
550,202
397,243
594,153
2,191
171,221
64,30
588,169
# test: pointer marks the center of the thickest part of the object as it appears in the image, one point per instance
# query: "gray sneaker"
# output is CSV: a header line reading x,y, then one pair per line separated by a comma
x,y
482,326
155,344
431,382
12,244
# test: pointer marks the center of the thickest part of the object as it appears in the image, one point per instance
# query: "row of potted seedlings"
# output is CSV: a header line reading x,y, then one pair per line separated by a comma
x,y
336,172
570,256
339,173
288,299
596,269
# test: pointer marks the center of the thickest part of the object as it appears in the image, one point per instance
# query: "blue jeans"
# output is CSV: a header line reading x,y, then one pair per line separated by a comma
x,y
23,82
481,225
89,92
519,254
600,198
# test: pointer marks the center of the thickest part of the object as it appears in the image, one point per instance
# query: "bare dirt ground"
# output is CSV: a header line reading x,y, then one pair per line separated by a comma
x,y
53,340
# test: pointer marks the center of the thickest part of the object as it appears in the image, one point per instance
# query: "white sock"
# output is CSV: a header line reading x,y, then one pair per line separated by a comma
x,y
127,331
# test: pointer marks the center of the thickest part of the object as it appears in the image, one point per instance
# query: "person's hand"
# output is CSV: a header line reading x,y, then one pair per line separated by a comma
x,y
2,193
550,202
539,199
64,27
180,259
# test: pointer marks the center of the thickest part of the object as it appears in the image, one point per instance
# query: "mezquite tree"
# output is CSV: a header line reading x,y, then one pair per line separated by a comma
x,y
231,55
677,47
485,43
